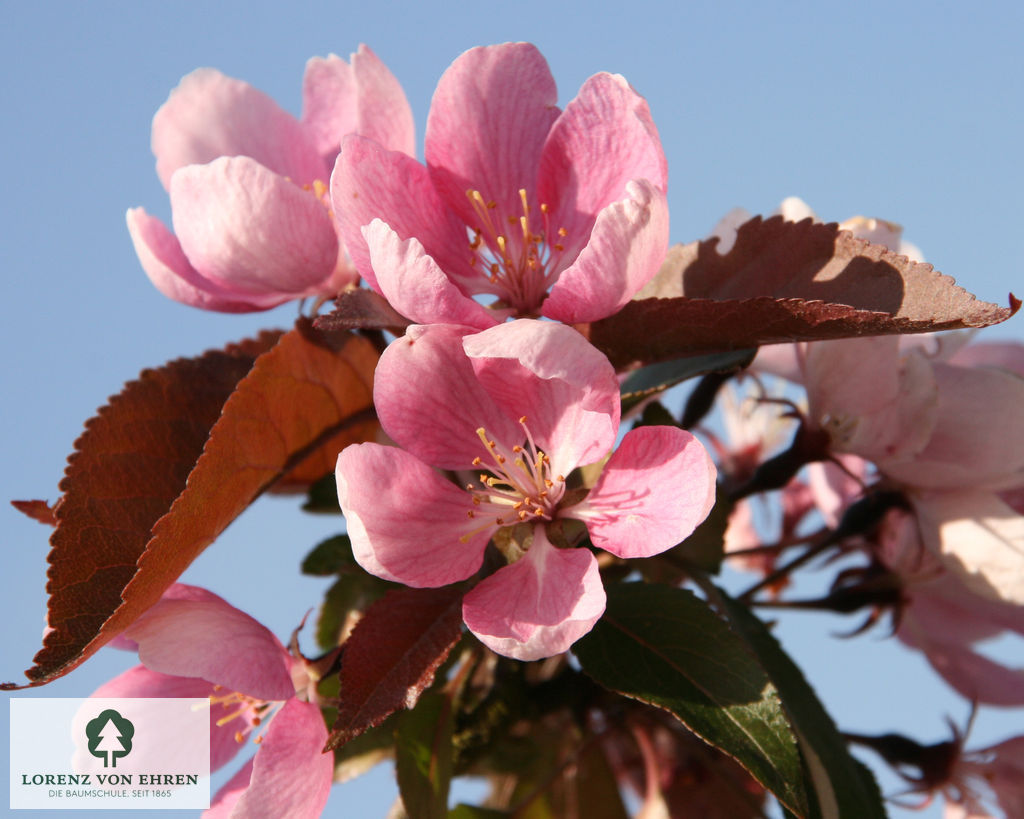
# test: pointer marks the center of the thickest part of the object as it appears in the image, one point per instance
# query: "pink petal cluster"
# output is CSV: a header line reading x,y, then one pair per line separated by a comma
x,y
982,780
542,211
248,184
984,784
192,643
512,411
944,618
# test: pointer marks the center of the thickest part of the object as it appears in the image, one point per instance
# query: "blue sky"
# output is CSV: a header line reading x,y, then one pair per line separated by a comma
x,y
907,111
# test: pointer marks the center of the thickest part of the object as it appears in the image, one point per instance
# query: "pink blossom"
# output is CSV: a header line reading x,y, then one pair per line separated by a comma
x,y
192,643
984,784
513,410
546,212
982,780
248,184
944,616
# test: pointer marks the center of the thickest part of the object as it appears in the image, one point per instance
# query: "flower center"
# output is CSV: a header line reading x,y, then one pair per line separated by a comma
x,y
321,192
251,711
515,485
518,258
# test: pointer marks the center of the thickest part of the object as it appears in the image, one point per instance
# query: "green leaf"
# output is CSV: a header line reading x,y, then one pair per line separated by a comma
x,y
705,548
844,786
329,557
423,756
322,496
648,381
666,647
352,593
364,752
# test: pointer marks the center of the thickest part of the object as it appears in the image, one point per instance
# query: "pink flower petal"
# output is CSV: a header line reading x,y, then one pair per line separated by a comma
x,y
549,373
538,606
362,98
1007,355
979,538
834,487
210,115
962,449
213,640
291,776
140,682
224,801
972,674
252,231
405,520
173,275
626,248
656,488
873,402
604,139
1005,774
782,360
415,286
370,182
489,117
430,402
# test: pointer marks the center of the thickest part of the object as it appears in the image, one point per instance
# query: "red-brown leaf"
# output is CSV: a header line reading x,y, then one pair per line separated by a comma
x,y
361,309
780,282
125,472
38,510
392,654
295,398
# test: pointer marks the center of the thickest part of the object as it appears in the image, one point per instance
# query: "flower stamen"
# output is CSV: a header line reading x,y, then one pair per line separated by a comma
x,y
518,482
522,265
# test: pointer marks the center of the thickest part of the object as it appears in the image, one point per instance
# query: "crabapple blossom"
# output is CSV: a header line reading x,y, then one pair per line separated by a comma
x,y
984,779
542,211
248,184
512,411
193,643
944,618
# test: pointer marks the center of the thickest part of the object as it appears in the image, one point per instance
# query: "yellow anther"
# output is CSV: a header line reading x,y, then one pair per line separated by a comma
x,y
238,737
319,188
563,232
559,247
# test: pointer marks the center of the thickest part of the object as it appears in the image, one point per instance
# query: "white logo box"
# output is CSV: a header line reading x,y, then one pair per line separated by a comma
x,y
109,754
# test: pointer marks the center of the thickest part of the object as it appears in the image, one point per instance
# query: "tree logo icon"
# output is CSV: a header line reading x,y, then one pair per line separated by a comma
x,y
110,737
